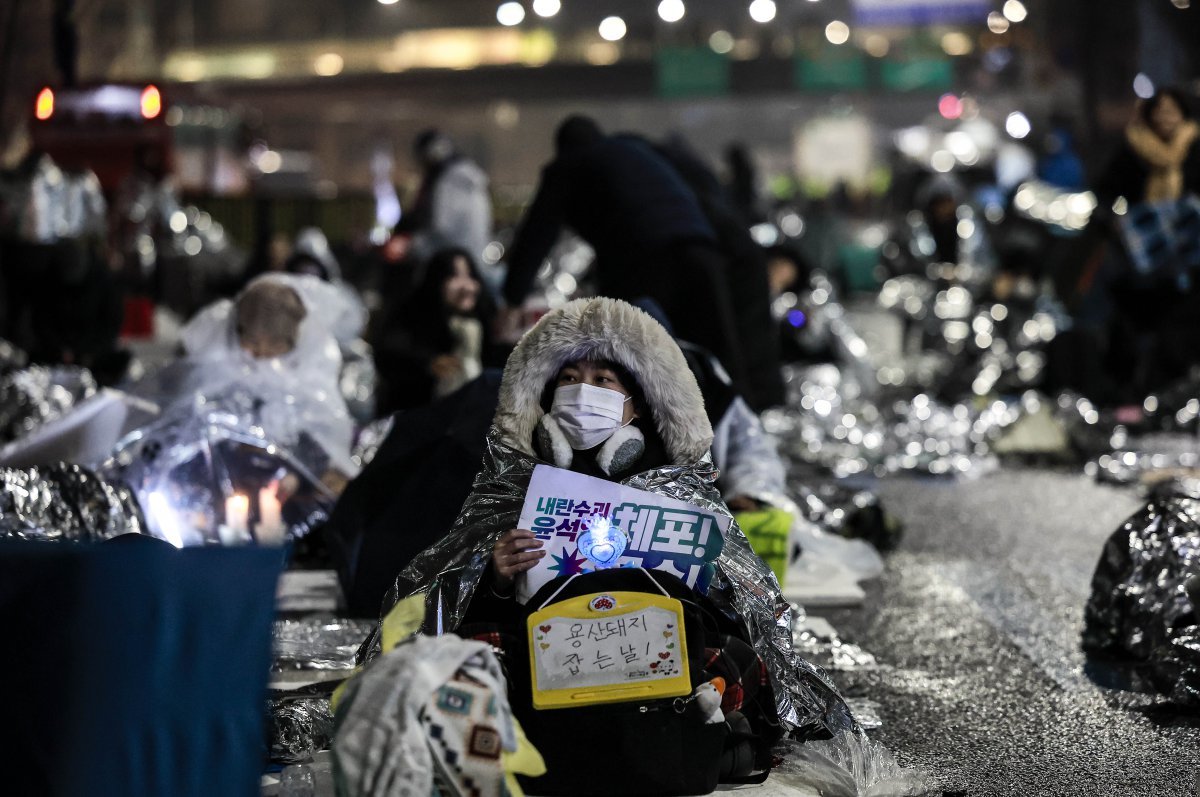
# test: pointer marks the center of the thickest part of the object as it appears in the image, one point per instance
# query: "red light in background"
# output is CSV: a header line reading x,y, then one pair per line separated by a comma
x,y
950,106
151,102
44,107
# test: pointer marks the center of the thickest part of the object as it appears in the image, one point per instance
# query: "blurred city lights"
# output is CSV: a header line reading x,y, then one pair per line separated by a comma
x,y
269,161
151,102
546,8
1015,11
721,42
328,64
950,106
877,45
44,106
837,32
942,161
1017,125
956,43
962,147
602,53
509,14
612,29
1143,86
762,10
997,23
671,10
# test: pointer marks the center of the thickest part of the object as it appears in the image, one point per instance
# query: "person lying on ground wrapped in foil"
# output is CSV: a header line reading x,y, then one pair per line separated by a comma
x,y
657,440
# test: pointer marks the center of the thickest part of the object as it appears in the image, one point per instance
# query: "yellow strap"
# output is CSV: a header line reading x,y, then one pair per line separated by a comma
x,y
403,620
525,761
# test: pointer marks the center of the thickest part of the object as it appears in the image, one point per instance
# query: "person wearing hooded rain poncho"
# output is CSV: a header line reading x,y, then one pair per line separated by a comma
x,y
657,440
274,342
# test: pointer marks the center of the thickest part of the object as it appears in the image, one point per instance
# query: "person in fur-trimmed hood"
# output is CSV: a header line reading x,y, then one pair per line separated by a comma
x,y
600,387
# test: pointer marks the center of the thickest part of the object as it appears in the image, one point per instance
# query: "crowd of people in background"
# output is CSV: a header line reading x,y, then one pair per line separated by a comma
x,y
664,228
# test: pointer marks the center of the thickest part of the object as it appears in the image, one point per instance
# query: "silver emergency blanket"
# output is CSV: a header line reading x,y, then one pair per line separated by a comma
x,y
840,509
357,381
298,725
34,396
193,256
370,438
750,465
449,572
1143,602
1139,443
829,423
1176,667
49,205
825,646
185,466
848,765
1149,458
316,643
954,343
11,356
65,503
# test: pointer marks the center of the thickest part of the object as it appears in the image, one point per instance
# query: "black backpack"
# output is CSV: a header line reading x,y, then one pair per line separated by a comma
x,y
644,747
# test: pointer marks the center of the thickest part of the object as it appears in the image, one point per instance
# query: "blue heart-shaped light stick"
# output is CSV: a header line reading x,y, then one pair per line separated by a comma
x,y
603,543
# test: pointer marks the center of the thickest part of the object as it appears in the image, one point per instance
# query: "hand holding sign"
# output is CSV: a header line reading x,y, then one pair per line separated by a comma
x,y
515,552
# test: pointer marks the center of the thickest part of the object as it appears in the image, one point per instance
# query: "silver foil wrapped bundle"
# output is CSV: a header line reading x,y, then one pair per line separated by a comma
x,y
65,503
845,511
370,439
37,395
11,356
1153,460
357,382
1176,667
316,643
830,424
828,650
955,344
187,466
1135,443
1142,606
298,725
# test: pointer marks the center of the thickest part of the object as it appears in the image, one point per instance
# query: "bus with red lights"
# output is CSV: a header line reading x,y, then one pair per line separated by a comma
x,y
108,128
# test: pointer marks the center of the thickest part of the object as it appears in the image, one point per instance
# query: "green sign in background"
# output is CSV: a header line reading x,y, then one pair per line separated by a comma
x,y
912,74
691,72
830,72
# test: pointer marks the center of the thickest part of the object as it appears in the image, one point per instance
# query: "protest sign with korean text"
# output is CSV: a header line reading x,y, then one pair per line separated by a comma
x,y
662,533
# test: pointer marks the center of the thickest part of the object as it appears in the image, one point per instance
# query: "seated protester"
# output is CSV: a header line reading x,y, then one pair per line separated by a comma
x,y
272,342
437,340
599,387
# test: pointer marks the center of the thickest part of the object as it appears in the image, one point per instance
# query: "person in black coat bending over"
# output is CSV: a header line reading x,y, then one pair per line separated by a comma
x,y
650,234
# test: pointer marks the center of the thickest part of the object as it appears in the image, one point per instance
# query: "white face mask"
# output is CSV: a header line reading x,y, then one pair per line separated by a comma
x,y
588,415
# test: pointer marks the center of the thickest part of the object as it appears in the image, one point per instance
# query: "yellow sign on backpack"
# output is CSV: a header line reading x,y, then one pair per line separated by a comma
x,y
608,647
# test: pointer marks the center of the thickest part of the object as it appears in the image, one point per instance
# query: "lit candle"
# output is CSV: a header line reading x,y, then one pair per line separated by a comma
x,y
237,514
270,516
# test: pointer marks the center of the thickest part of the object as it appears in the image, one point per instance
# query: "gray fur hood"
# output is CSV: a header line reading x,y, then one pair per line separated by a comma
x,y
605,329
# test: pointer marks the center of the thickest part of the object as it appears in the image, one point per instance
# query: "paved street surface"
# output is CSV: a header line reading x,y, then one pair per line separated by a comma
x,y
976,629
